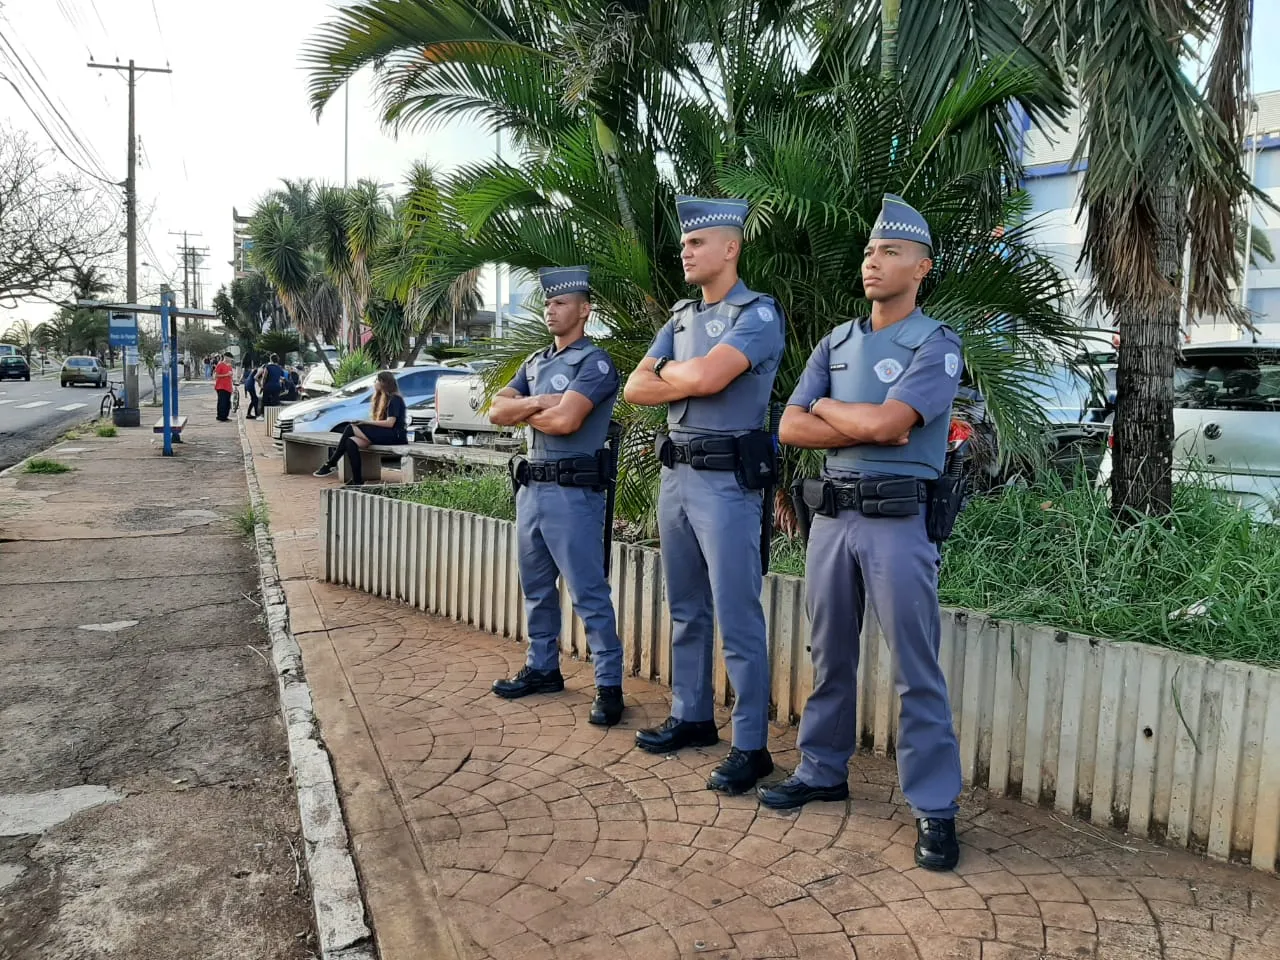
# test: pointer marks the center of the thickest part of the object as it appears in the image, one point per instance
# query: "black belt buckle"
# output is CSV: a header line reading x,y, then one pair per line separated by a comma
x,y
543,472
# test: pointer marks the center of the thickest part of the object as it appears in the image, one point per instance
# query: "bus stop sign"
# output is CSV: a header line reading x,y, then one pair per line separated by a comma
x,y
122,329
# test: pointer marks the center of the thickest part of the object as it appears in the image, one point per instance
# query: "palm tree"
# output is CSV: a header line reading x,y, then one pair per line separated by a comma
x,y
1164,153
22,335
748,99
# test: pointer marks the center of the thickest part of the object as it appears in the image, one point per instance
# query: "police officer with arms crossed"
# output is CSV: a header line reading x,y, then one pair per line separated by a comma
x,y
876,395
713,364
566,394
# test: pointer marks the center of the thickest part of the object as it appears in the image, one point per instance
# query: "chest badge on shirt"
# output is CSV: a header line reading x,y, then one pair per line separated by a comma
x,y
888,370
951,362
715,327
559,381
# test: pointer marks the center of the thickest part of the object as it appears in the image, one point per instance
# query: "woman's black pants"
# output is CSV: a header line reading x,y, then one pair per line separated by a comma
x,y
347,447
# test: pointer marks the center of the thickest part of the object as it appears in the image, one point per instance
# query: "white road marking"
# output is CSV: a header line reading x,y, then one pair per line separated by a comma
x,y
14,400
72,406
34,403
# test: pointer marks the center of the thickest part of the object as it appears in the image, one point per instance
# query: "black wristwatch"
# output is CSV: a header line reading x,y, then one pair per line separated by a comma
x,y
662,362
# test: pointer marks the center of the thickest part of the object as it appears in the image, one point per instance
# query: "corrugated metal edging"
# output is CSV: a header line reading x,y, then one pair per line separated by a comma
x,y
1166,745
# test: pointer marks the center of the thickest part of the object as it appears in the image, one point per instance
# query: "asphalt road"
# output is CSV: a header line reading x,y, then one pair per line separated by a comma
x,y
32,415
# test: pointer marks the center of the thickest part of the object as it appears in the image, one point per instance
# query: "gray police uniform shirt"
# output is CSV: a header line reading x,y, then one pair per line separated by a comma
x,y
918,361
583,368
749,322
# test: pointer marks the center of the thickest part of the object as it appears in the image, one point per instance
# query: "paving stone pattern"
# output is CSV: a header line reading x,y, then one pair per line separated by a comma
x,y
547,838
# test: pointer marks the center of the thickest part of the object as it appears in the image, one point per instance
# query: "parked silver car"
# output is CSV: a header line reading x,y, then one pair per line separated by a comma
x,y
1226,422
350,403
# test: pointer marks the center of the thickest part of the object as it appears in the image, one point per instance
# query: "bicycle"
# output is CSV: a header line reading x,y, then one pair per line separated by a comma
x,y
112,401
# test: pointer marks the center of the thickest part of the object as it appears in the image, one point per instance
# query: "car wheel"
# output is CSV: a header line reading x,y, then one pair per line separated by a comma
x,y
27,378
64,383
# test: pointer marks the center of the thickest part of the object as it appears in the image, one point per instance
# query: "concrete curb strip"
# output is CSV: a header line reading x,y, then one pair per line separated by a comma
x,y
335,890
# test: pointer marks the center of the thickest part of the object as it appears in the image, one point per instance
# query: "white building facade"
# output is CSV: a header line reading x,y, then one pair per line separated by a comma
x,y
1053,182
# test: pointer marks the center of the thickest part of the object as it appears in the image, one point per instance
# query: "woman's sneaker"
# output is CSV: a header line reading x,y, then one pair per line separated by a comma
x,y
324,471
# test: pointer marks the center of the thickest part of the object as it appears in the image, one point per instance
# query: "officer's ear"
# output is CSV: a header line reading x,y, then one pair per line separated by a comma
x,y
733,242
925,264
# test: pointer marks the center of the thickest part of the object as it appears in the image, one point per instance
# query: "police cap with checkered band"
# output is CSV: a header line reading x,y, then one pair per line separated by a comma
x,y
698,213
558,280
899,220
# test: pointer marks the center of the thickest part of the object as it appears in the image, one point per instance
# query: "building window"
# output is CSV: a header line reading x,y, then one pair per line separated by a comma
x,y
1264,304
1057,192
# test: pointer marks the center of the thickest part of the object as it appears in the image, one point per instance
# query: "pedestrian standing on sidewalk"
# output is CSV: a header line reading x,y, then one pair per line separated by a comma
x,y
223,384
877,395
713,365
250,381
387,424
271,375
566,394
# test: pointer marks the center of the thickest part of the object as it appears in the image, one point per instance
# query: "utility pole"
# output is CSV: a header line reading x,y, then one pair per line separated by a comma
x,y
131,210
190,270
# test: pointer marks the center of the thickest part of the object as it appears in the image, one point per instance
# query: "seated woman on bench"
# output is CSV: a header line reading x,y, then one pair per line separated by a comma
x,y
387,425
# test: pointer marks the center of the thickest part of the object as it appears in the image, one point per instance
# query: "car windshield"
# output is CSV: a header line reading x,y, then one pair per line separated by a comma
x,y
1061,386
1228,380
11,361
357,387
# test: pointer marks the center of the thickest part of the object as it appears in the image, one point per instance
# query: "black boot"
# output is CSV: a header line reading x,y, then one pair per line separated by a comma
x,y
740,771
529,681
936,845
794,792
675,734
606,709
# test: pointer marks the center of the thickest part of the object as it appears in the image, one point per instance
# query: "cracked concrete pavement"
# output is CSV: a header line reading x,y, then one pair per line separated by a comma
x,y
146,809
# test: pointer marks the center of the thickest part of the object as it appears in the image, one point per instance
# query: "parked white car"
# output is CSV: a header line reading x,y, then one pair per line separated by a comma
x,y
1226,422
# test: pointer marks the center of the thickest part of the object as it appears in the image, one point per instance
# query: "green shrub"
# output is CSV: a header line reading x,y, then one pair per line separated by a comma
x,y
353,366
106,430
486,492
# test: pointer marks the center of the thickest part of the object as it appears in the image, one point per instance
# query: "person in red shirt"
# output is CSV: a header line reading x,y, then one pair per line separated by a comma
x,y
222,374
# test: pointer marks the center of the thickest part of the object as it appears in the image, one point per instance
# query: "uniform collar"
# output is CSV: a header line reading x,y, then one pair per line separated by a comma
x,y
551,351
737,293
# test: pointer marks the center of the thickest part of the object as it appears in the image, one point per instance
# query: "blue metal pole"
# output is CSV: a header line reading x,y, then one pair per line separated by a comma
x,y
166,299
173,341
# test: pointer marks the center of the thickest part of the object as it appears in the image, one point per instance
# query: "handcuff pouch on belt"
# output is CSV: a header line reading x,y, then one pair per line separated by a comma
x,y
567,472
751,456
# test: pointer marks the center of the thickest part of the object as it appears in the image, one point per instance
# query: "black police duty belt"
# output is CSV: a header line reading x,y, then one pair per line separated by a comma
x,y
567,472
701,453
870,496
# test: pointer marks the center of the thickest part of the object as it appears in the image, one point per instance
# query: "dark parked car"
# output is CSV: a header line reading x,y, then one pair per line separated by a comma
x,y
14,368
83,370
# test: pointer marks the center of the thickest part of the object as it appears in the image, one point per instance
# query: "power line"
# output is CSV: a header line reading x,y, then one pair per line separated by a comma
x,y
11,55
52,138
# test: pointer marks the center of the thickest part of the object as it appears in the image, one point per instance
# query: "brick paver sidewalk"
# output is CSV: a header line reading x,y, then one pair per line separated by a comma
x,y
516,831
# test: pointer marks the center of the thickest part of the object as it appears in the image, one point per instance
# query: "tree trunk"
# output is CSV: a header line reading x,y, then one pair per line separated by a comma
x,y
1142,460
890,11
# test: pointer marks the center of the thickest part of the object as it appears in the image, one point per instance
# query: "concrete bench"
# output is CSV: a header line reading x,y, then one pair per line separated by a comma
x,y
306,452
175,426
417,463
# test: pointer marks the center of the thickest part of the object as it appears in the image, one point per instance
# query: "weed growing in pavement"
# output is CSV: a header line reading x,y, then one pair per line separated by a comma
x,y
248,519
44,465
106,430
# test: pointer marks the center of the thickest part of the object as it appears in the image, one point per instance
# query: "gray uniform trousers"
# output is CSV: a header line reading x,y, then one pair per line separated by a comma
x,y
710,529
560,532
892,563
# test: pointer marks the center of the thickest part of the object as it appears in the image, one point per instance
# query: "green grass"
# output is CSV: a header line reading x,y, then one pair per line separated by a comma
x,y
1052,555
248,519
486,492
44,465
106,430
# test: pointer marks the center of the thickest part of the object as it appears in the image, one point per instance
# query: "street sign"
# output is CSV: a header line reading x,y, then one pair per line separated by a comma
x,y
122,329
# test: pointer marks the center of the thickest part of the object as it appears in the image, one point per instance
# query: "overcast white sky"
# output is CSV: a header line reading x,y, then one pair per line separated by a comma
x,y
233,118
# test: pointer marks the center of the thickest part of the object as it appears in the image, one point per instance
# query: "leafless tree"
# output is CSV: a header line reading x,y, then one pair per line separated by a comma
x,y
52,225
